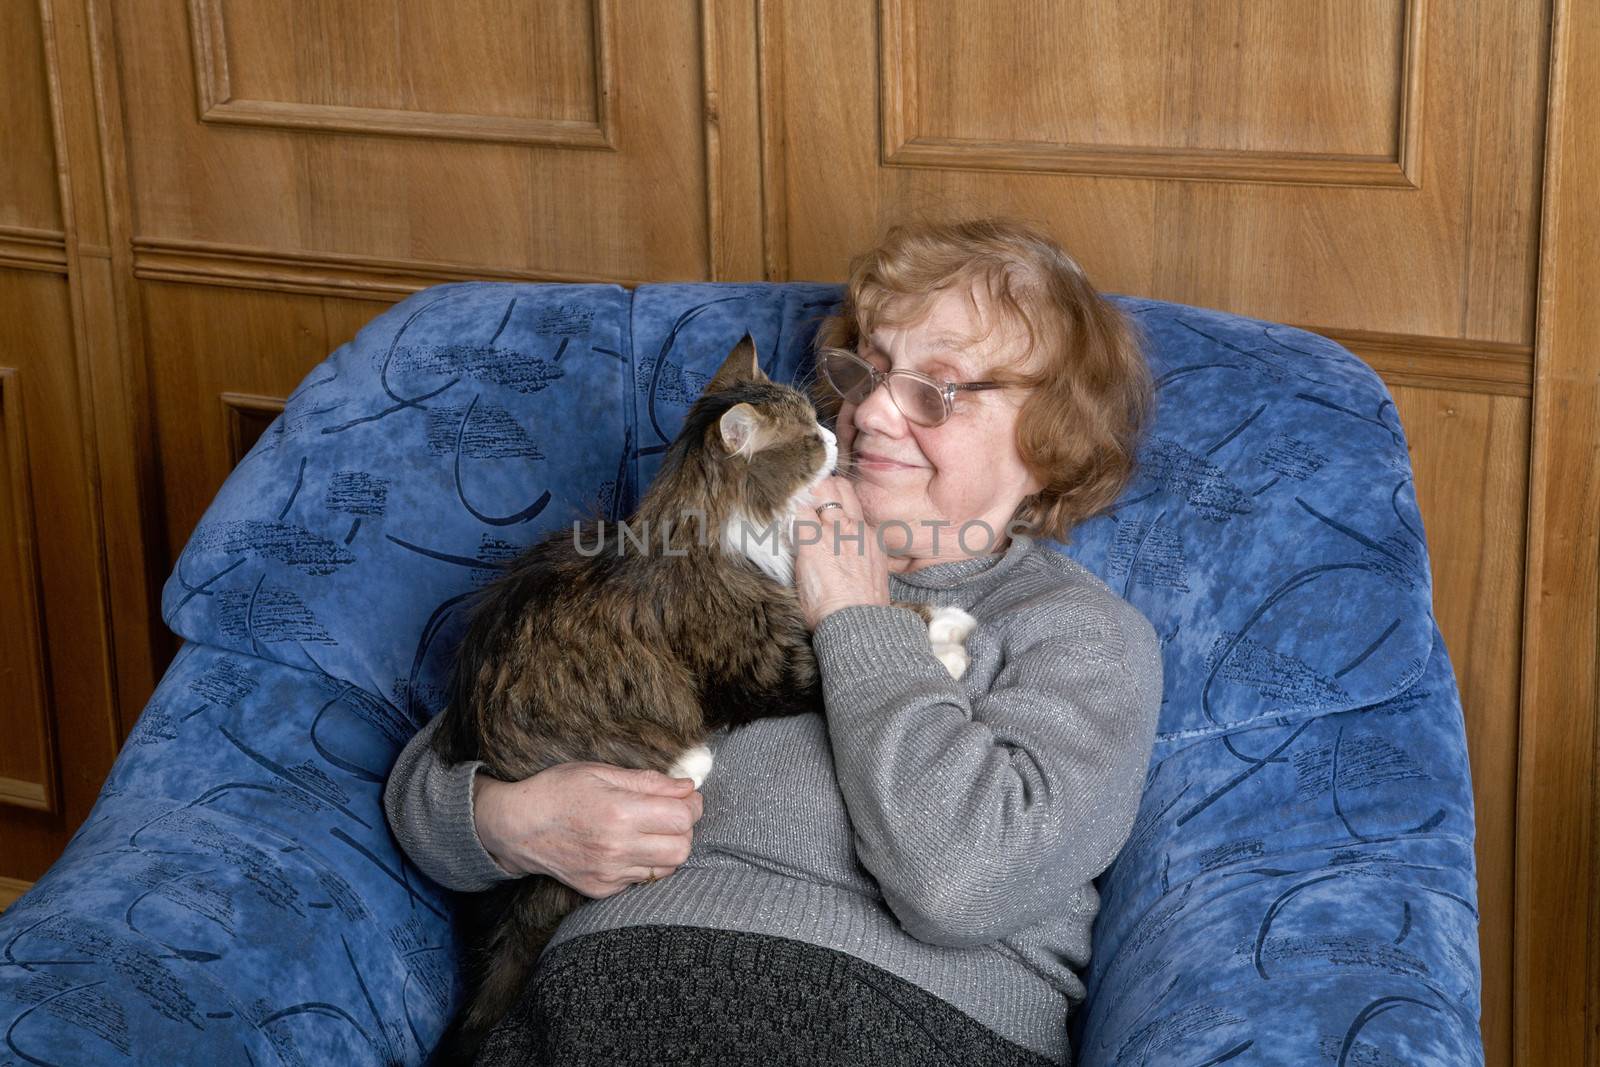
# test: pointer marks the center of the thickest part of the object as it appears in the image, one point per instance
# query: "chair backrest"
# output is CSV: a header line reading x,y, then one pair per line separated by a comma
x,y
1272,535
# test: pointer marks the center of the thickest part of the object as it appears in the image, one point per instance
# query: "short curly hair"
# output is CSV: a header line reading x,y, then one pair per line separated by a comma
x,y
1090,393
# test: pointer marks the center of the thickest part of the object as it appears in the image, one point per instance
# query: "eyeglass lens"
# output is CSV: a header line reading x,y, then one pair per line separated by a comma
x,y
919,401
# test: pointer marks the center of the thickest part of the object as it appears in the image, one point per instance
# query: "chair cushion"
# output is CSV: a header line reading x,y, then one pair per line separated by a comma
x,y
235,895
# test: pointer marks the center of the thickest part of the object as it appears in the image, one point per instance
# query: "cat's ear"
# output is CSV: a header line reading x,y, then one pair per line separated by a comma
x,y
740,366
743,430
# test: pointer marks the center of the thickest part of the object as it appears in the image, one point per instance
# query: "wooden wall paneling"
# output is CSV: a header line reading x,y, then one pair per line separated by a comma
x,y
1468,452
730,75
1265,93
29,198
86,114
1557,938
33,247
292,59
222,358
245,419
389,196
344,318
1452,258
351,276
56,320
731,180
771,50
28,768
1442,362
62,762
11,889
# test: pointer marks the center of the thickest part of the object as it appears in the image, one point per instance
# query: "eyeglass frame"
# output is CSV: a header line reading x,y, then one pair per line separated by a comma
x,y
947,390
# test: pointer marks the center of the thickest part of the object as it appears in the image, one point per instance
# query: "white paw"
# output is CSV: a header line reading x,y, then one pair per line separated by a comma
x,y
950,626
948,631
694,763
954,658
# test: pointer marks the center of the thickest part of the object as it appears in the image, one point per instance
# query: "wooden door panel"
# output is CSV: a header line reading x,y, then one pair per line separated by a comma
x,y
572,148
28,770
539,73
1318,91
29,199
1452,257
59,727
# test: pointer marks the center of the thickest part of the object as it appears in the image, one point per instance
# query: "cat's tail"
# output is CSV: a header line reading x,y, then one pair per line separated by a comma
x,y
513,924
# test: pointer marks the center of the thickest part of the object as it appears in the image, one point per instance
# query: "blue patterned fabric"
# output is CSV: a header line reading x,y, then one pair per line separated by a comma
x,y
1299,886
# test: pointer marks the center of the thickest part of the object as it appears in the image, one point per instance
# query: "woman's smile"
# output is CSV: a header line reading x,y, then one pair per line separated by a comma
x,y
873,461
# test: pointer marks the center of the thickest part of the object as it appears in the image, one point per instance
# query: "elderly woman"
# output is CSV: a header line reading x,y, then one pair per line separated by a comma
x,y
906,876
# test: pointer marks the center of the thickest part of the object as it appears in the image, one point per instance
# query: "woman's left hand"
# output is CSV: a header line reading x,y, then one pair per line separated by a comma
x,y
845,565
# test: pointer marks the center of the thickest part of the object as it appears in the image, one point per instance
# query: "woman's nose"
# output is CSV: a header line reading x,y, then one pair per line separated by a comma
x,y
878,413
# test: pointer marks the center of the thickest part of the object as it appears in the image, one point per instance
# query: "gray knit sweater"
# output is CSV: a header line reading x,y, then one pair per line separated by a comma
x,y
947,831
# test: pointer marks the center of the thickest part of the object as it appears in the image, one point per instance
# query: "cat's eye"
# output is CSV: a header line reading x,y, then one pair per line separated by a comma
x,y
919,398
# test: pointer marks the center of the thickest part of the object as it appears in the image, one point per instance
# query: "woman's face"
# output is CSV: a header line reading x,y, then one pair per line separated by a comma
x,y
966,468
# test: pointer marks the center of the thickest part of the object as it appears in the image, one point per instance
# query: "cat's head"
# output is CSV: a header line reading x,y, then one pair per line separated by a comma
x,y
761,436
754,446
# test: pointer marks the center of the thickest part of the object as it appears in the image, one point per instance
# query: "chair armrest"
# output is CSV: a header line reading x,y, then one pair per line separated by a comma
x,y
235,895
1303,893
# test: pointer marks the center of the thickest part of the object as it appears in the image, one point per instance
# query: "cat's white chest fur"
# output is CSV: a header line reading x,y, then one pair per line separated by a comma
x,y
771,547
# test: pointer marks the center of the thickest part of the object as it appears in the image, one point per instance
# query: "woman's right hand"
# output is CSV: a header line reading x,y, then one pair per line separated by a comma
x,y
596,827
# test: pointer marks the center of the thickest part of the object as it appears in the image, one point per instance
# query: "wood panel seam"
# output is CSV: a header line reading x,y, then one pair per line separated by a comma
x,y
774,182
79,301
331,274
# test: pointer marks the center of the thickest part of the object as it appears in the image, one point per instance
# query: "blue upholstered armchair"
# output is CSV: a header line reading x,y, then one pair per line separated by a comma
x,y
1298,888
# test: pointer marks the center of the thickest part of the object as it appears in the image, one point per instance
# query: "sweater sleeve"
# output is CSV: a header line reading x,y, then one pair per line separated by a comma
x,y
429,807
979,817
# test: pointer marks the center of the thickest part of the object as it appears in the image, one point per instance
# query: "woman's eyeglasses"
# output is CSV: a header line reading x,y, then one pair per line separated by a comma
x,y
919,398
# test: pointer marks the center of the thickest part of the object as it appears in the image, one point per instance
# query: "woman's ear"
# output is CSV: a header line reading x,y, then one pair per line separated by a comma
x,y
743,430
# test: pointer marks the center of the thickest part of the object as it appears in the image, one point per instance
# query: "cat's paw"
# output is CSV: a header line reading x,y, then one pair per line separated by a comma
x,y
950,626
948,630
694,763
954,658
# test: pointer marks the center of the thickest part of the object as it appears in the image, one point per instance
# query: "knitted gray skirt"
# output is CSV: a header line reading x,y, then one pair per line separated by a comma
x,y
647,995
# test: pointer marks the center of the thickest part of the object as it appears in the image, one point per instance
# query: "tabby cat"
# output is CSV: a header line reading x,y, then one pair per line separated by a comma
x,y
630,644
